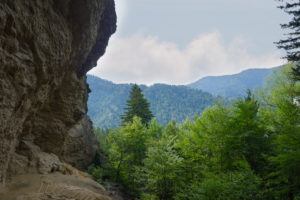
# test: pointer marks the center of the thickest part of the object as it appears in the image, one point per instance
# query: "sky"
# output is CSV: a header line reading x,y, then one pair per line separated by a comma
x,y
180,41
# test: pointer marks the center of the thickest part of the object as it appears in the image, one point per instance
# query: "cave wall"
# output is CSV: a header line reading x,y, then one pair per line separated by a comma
x,y
46,48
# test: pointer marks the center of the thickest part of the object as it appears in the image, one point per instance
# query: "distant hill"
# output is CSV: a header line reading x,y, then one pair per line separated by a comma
x,y
233,86
107,101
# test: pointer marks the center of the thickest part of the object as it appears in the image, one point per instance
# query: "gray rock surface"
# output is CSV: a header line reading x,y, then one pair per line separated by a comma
x,y
46,48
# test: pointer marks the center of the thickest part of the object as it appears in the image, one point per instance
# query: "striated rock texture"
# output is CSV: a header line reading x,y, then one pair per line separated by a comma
x,y
46,48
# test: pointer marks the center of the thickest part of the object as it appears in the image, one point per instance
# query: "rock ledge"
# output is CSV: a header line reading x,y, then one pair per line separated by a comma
x,y
46,48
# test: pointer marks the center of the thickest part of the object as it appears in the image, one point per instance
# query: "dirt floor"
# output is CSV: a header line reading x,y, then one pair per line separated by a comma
x,y
54,186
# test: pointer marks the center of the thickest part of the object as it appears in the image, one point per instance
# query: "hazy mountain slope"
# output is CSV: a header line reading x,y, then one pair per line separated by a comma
x,y
233,86
107,101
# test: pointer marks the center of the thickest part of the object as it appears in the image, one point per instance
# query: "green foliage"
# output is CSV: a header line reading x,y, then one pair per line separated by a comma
x,y
96,172
137,106
249,136
285,115
127,149
162,169
230,186
291,43
244,151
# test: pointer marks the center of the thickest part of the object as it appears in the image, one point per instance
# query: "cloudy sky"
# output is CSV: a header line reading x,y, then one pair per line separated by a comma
x,y
180,41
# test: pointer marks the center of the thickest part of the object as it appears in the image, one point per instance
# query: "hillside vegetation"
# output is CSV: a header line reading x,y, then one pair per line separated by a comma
x,y
236,85
107,99
107,102
245,151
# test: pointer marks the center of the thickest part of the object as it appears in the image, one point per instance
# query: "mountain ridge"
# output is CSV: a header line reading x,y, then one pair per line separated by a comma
x,y
234,85
108,99
167,102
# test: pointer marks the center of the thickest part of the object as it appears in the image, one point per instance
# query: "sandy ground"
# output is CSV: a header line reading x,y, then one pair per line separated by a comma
x,y
54,186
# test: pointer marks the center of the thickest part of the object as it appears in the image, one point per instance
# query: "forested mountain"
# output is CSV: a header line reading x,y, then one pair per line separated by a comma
x,y
107,101
233,86
248,150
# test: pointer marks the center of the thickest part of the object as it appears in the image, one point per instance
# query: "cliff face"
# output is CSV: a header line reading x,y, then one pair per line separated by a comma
x,y
46,48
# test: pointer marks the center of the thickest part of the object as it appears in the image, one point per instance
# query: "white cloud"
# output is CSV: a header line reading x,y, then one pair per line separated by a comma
x,y
147,60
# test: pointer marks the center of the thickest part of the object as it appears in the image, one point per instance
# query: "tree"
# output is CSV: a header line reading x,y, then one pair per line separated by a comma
x,y
162,169
238,185
127,150
292,43
249,149
249,137
138,106
285,115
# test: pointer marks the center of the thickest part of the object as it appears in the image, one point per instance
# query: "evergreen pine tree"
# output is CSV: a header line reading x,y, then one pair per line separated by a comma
x,y
138,106
292,43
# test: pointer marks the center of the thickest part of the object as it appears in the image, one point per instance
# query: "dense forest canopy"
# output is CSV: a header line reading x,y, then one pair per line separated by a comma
x,y
248,150
245,150
108,100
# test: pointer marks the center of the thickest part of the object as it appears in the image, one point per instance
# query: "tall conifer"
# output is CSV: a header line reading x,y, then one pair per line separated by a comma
x,y
291,44
137,105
